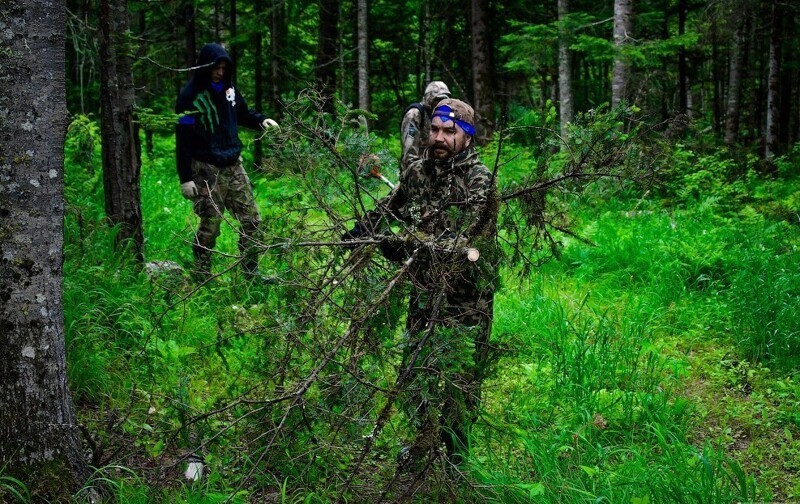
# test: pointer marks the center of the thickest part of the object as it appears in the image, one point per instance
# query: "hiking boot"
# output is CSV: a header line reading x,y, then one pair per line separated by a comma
x,y
202,263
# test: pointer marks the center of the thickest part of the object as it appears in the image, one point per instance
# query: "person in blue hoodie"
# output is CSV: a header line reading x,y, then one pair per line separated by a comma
x,y
208,151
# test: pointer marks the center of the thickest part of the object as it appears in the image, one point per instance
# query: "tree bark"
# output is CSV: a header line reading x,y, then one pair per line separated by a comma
x,y
622,29
190,35
564,69
482,70
277,38
120,136
233,49
737,54
772,138
363,55
683,74
715,77
39,437
326,51
258,70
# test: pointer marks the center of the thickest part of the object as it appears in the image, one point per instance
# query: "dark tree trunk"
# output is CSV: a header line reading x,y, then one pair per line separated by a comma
x,y
326,51
715,78
683,77
737,54
217,17
120,136
39,436
277,39
233,47
482,69
258,70
772,138
190,34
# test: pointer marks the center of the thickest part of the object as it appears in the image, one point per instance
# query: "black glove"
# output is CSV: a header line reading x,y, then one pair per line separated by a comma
x,y
393,248
354,234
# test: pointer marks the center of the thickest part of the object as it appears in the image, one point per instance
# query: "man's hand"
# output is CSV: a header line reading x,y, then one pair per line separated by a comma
x,y
353,234
189,190
269,124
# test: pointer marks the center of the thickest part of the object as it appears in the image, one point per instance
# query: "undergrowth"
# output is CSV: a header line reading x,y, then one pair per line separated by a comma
x,y
625,368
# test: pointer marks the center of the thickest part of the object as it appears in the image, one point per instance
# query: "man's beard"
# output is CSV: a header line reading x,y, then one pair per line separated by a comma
x,y
442,146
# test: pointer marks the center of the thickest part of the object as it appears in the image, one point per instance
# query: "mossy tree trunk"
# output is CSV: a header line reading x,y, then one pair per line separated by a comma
x,y
39,436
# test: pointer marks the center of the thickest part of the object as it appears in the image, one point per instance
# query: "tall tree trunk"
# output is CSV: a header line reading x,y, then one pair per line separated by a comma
x,y
120,136
622,30
772,138
715,77
482,69
39,436
233,47
683,77
217,17
277,38
190,33
326,51
258,69
363,55
426,47
737,54
564,69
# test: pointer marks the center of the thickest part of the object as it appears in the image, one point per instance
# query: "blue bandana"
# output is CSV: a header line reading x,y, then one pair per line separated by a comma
x,y
445,113
218,86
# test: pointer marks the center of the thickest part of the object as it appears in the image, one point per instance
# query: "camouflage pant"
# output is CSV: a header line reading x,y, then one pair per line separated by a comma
x,y
444,394
223,189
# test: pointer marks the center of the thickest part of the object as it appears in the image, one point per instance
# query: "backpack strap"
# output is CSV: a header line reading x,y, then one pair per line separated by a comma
x,y
423,112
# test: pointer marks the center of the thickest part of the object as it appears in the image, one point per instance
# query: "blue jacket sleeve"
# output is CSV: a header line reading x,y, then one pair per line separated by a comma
x,y
248,118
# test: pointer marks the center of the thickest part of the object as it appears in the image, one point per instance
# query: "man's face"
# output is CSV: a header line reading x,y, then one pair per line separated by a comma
x,y
218,72
447,139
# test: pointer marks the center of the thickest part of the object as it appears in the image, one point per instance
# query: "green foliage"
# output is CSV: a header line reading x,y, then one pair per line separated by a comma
x,y
13,488
588,400
83,137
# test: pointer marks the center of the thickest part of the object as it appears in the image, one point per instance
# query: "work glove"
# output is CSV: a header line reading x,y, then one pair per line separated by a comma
x,y
269,124
354,234
393,248
189,190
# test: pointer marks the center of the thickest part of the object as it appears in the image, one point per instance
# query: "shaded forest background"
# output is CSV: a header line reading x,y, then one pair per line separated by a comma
x,y
727,66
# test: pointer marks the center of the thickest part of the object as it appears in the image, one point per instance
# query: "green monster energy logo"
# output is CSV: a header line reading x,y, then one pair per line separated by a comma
x,y
207,111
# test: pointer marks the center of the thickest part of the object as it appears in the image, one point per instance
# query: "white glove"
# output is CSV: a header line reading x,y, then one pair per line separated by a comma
x,y
189,190
269,124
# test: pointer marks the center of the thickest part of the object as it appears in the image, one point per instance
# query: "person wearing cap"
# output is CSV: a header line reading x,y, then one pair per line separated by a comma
x,y
416,122
209,163
447,203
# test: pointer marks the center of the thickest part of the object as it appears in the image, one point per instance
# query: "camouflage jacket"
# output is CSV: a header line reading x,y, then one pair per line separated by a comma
x,y
452,202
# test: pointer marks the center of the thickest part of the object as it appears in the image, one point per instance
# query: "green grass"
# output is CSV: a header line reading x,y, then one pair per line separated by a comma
x,y
658,366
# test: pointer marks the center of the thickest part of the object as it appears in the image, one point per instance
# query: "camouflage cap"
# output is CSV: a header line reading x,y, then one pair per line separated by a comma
x,y
459,111
435,92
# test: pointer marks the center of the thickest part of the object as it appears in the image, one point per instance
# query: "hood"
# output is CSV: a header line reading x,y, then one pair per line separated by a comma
x,y
210,55
434,93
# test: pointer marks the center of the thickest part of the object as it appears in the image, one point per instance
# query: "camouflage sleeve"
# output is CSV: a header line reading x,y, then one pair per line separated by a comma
x,y
410,131
481,211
